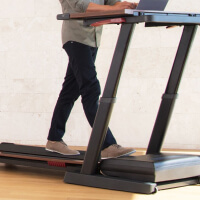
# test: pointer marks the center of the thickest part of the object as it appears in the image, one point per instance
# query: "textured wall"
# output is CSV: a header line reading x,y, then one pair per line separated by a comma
x,y
33,64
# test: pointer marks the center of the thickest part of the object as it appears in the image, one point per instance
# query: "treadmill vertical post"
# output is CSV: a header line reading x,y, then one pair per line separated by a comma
x,y
168,98
106,102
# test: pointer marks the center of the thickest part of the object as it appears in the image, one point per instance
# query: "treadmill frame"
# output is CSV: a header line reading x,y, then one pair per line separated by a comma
x,y
89,175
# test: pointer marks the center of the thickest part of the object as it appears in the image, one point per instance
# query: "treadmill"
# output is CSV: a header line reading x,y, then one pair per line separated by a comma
x,y
155,170
139,174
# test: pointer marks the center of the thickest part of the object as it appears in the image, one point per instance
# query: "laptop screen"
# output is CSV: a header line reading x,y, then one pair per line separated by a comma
x,y
152,5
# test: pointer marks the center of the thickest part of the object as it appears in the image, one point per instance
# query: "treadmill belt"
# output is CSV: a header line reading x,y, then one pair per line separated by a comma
x,y
33,156
32,150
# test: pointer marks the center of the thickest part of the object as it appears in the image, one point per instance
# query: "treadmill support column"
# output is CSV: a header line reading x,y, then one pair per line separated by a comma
x,y
106,102
168,98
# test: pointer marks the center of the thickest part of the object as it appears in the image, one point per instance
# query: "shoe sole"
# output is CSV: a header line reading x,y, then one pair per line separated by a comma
x,y
123,155
61,153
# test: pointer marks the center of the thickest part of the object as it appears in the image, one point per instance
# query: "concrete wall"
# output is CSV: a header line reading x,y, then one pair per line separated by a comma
x,y
33,65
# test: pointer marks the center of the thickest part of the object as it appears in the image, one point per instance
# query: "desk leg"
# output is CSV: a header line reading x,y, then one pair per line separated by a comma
x,y
106,102
169,96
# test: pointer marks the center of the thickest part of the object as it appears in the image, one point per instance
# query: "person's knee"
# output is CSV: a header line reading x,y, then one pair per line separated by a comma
x,y
92,88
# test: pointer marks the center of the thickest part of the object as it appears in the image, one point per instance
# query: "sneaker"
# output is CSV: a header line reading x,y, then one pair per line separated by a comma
x,y
115,151
60,147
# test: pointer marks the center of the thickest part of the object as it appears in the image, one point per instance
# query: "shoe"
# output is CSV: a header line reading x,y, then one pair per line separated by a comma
x,y
60,147
115,151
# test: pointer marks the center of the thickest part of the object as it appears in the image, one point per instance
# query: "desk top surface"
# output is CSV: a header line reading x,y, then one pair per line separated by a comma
x,y
137,16
131,12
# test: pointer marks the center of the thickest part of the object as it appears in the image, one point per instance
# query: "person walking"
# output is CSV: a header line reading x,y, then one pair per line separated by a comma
x,y
81,45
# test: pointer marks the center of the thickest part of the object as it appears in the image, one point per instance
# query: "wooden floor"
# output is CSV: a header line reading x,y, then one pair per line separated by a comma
x,y
27,183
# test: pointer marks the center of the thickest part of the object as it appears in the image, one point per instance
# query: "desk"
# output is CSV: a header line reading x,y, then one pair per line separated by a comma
x,y
89,172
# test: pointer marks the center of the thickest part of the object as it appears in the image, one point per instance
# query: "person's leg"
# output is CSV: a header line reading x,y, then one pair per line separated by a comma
x,y
86,76
83,59
68,95
85,72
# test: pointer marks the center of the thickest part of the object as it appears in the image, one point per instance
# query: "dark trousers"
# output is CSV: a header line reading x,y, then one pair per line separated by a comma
x,y
81,79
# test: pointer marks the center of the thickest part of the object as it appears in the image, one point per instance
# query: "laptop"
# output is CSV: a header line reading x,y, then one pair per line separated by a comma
x,y
152,5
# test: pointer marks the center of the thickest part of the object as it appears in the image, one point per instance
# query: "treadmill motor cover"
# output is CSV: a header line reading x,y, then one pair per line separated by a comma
x,y
152,168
